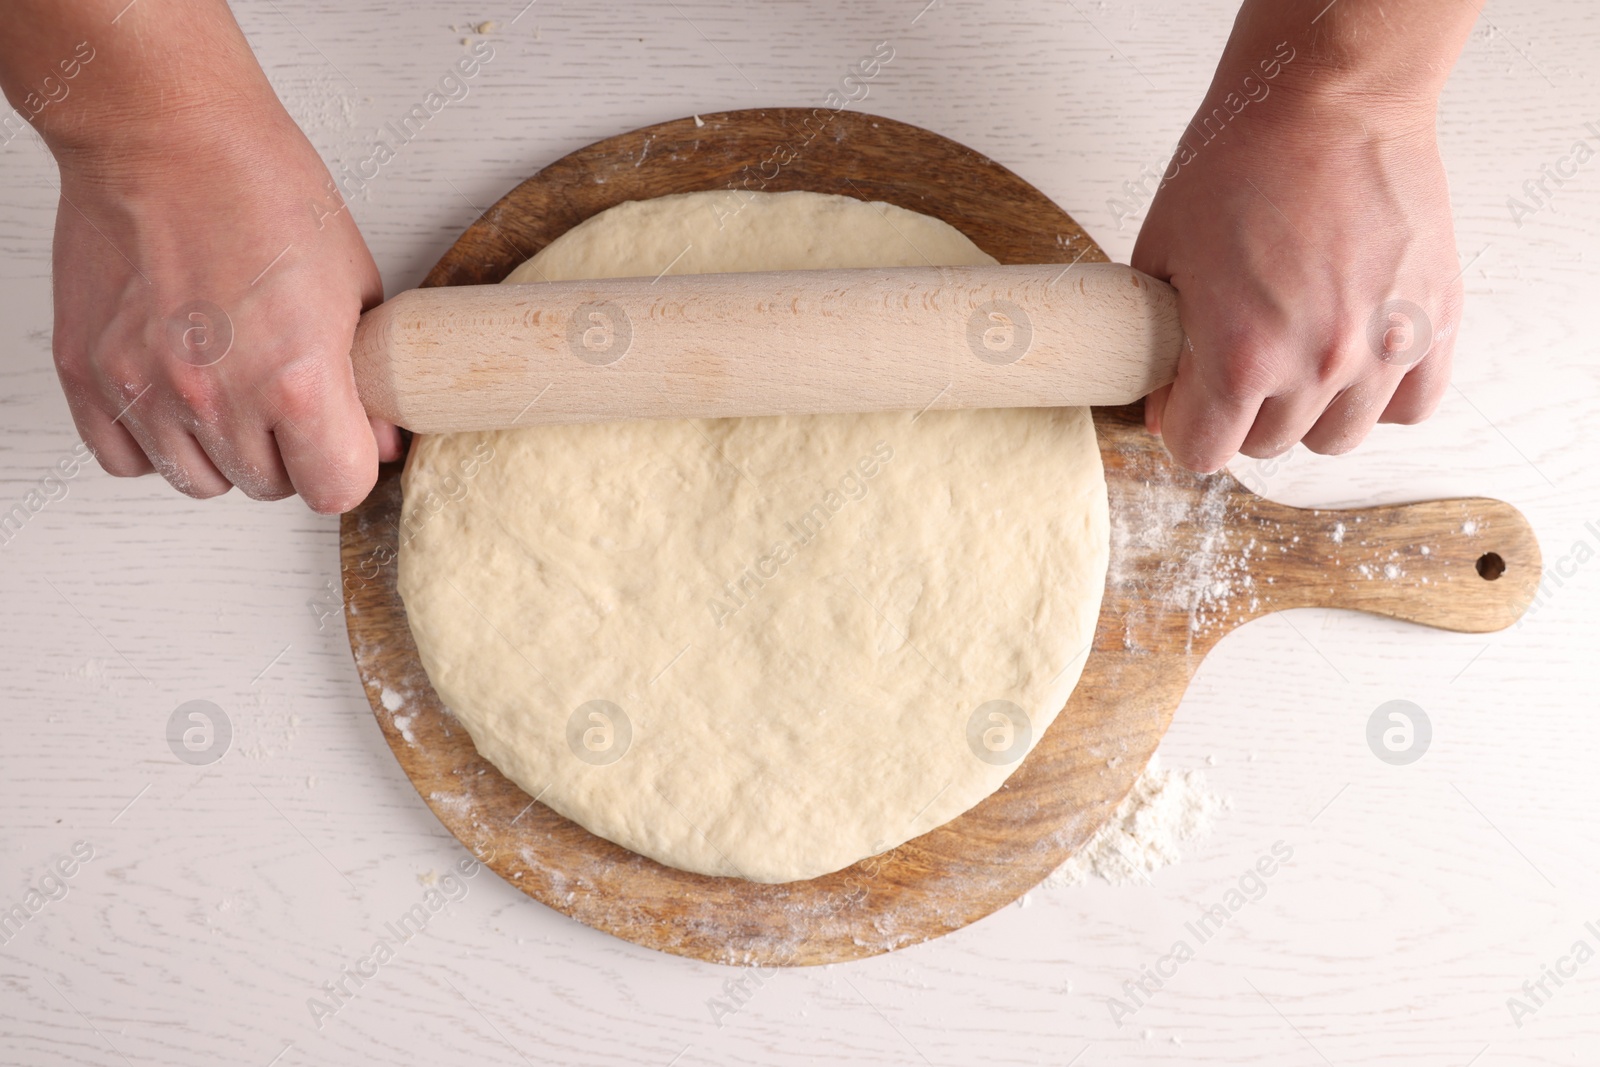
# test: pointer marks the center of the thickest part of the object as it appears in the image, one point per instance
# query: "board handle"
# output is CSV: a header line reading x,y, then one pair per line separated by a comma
x,y
1469,564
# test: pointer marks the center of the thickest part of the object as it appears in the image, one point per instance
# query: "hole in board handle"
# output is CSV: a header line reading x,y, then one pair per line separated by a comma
x,y
1490,566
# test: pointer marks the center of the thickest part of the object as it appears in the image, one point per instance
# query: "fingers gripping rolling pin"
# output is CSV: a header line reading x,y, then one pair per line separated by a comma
x,y
719,345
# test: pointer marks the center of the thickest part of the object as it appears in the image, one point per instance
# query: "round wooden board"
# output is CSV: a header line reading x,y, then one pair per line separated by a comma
x,y
1192,558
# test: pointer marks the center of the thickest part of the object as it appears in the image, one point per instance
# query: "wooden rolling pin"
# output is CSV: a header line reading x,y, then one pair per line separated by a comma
x,y
715,345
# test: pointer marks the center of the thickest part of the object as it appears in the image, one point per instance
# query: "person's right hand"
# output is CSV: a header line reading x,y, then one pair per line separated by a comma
x,y
224,243
1304,241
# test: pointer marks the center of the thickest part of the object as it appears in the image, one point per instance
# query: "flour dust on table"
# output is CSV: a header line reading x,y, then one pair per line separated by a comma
x,y
762,648
1164,811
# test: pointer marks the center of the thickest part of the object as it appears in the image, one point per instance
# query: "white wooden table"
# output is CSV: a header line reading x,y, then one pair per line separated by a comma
x,y
220,898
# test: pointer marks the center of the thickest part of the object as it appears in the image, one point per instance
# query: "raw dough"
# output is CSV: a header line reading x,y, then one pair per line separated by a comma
x,y
763,648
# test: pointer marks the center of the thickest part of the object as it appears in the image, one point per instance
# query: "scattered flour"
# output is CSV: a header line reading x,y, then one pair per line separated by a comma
x,y
95,676
263,727
392,701
1164,810
1203,574
319,103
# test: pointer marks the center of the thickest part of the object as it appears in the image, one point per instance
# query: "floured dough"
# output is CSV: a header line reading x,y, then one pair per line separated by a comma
x,y
762,648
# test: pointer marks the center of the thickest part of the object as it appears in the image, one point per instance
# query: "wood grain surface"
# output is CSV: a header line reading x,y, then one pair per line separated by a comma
x,y
1192,558
222,897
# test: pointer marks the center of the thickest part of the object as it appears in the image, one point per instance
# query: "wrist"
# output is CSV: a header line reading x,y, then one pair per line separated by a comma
x,y
1337,92
176,85
1377,61
140,145
1290,90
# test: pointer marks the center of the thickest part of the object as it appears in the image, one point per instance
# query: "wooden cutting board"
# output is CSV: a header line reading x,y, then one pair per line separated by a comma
x,y
1192,558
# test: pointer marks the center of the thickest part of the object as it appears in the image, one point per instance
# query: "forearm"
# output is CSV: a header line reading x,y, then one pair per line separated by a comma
x,y
105,80
1378,52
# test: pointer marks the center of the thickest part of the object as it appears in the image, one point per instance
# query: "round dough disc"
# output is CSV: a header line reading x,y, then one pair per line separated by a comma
x,y
762,648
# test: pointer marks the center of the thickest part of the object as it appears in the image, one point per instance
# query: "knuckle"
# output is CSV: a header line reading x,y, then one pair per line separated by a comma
x,y
119,464
1335,444
1243,377
1339,362
200,393
201,486
120,388
257,486
1264,449
68,357
1328,368
1343,426
125,389
340,497
1246,370
1200,460
276,492
1412,411
79,388
295,392
348,486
